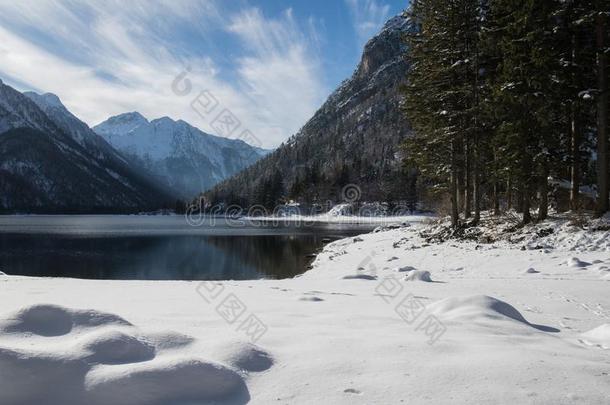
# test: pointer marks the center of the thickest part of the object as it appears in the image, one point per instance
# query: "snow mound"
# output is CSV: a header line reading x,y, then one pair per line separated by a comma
x,y
599,336
245,356
117,347
53,320
40,378
531,270
169,340
166,381
419,275
405,268
576,263
60,356
475,308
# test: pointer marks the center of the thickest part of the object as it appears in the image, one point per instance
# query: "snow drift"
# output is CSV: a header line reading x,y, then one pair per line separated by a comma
x,y
55,355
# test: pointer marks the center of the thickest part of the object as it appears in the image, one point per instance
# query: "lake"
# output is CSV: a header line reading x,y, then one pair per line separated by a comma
x,y
160,247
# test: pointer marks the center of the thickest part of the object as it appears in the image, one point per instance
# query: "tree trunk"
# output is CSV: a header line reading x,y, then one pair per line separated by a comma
x,y
575,158
467,178
496,186
525,204
496,198
509,193
526,177
602,114
458,190
475,143
543,210
574,141
476,185
454,187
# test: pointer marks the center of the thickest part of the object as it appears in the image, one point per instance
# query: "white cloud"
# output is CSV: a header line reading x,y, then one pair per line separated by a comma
x,y
116,62
368,17
280,73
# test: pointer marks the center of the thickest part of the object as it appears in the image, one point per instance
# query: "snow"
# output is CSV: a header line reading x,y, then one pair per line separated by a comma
x,y
58,355
576,262
338,215
419,275
186,158
475,308
46,99
586,190
531,270
351,330
164,138
599,336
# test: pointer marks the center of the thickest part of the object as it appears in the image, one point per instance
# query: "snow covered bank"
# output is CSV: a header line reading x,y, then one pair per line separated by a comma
x,y
339,218
486,329
567,231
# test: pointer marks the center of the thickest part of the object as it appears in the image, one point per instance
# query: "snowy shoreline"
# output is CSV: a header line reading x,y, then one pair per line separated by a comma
x,y
518,326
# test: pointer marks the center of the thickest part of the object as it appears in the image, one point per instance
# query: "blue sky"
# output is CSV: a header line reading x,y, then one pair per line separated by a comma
x,y
270,63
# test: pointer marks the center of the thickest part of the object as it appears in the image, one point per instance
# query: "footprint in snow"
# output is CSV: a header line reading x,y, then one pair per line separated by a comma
x,y
311,299
359,277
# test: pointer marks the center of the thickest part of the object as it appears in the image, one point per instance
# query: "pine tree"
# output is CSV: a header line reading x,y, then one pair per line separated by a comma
x,y
602,10
524,94
441,95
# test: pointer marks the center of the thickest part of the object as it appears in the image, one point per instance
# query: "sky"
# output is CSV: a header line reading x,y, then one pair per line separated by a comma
x,y
268,65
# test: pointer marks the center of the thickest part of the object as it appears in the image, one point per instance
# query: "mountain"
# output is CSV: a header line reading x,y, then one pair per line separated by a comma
x,y
52,106
353,138
181,156
50,161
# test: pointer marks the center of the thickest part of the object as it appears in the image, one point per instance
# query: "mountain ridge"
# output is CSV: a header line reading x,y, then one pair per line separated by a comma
x,y
353,138
180,155
51,162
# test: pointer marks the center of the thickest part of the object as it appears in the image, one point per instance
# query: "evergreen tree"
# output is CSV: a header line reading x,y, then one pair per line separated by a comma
x,y
442,97
499,98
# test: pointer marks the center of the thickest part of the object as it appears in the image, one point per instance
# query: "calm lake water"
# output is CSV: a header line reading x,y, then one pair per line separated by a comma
x,y
160,247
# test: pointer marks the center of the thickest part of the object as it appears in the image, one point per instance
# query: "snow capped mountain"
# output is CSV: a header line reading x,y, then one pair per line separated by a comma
x,y
52,106
121,124
17,112
185,158
50,161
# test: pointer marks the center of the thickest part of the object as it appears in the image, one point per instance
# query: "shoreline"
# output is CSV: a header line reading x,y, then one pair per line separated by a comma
x,y
334,334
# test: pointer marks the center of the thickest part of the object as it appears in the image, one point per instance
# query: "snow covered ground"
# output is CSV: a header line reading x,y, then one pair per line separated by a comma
x,y
382,318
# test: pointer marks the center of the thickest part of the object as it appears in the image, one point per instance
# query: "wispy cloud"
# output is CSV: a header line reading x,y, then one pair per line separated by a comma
x,y
279,70
103,63
368,17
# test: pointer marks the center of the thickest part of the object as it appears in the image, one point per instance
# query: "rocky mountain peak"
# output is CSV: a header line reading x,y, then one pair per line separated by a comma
x,y
121,124
46,99
384,47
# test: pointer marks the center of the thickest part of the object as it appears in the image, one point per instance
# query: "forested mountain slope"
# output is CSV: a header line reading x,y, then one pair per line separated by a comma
x,y
353,138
